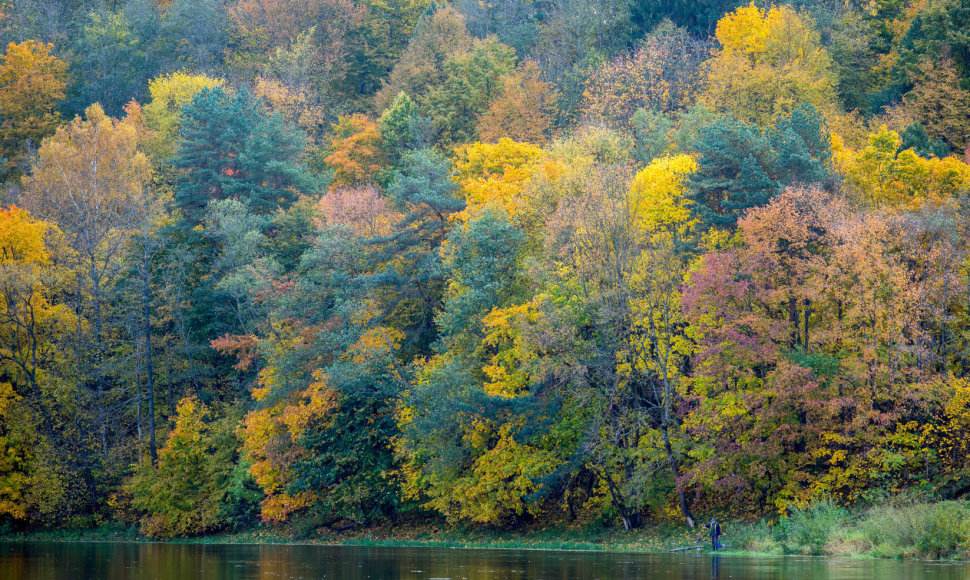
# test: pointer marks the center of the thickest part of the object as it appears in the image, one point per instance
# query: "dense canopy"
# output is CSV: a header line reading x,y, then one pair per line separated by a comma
x,y
311,263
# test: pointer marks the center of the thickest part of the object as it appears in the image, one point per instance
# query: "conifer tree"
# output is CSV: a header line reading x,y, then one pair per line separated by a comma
x,y
230,147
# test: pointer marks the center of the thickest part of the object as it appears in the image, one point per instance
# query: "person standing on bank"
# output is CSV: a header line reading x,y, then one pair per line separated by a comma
x,y
715,533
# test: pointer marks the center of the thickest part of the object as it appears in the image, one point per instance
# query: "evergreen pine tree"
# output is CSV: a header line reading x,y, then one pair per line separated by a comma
x,y
231,147
732,173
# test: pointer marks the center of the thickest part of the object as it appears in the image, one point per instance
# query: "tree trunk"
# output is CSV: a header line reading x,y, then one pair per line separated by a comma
x,y
675,471
630,519
149,368
793,320
808,315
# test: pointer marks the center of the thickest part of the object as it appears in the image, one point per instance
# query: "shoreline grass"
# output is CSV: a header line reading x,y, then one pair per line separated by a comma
x,y
926,531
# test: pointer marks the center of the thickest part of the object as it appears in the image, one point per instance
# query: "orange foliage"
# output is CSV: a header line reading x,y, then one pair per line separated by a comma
x,y
657,76
269,436
243,346
524,110
356,147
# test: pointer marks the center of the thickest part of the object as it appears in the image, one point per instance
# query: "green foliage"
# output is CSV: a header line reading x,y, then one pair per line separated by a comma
x,y
651,131
813,526
350,465
939,530
470,81
483,264
408,259
401,128
801,143
915,137
942,28
196,487
697,17
115,59
377,42
230,147
741,167
733,174
463,476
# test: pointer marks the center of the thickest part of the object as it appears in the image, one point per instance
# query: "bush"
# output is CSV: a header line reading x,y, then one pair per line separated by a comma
x,y
757,537
940,530
812,527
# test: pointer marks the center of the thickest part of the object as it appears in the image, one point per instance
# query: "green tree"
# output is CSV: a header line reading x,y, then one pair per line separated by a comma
x,y
471,81
467,447
163,114
195,488
941,28
114,62
733,173
402,128
230,147
741,167
378,42
407,261
349,463
439,35
916,138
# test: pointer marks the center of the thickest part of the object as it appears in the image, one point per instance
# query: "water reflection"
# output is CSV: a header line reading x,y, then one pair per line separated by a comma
x,y
63,561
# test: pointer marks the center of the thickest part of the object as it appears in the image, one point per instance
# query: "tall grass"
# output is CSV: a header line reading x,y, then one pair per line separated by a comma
x,y
813,527
938,530
904,530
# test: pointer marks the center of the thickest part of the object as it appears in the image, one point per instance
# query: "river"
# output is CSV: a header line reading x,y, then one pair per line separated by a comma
x,y
131,561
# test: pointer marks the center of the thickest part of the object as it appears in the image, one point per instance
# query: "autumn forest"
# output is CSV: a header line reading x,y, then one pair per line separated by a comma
x,y
319,264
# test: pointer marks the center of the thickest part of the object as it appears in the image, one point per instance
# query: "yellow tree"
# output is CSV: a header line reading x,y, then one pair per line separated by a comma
x,y
163,114
658,192
90,179
658,343
880,173
186,492
31,329
769,63
494,175
617,244
32,81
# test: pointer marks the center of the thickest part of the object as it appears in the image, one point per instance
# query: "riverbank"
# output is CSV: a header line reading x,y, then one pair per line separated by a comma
x,y
588,538
938,530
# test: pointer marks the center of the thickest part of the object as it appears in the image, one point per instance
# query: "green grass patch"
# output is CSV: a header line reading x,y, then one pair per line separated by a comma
x,y
926,530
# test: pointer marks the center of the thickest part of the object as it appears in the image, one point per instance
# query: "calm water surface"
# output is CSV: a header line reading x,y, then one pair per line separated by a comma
x,y
79,561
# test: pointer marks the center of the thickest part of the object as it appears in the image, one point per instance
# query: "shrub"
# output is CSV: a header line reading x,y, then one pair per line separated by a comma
x,y
812,527
940,530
